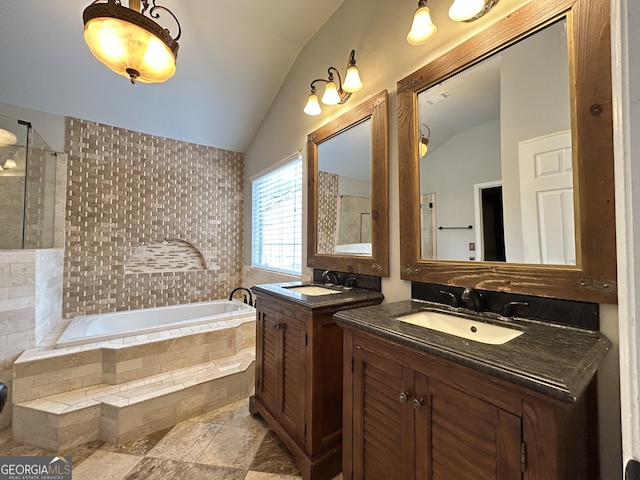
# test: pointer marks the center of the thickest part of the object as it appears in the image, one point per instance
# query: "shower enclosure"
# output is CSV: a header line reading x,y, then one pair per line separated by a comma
x,y
27,187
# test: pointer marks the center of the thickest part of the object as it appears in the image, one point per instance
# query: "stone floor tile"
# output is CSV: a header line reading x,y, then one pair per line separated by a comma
x,y
273,457
186,441
163,469
141,446
233,446
104,465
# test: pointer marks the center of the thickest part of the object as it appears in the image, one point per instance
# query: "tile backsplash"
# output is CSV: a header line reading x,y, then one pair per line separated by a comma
x,y
133,202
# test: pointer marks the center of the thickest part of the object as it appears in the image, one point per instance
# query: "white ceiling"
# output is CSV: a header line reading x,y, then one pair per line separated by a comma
x,y
234,55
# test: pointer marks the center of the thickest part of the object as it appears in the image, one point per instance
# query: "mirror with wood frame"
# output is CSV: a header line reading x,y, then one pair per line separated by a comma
x,y
348,194
590,275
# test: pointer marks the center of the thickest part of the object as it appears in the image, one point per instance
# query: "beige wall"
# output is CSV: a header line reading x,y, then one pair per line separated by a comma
x,y
133,196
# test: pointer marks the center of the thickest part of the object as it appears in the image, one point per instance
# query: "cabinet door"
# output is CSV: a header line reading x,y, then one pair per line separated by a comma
x,y
382,422
460,436
292,391
268,357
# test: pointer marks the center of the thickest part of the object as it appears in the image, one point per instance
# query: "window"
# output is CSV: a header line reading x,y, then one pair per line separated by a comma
x,y
277,218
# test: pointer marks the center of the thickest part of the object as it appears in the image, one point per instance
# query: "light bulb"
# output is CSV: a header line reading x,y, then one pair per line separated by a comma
x,y
313,106
331,95
463,10
422,29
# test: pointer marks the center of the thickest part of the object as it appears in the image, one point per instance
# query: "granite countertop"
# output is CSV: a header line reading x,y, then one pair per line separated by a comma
x,y
555,360
343,298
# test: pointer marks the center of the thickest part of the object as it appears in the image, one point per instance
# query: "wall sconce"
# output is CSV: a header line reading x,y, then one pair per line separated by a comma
x,y
129,43
335,94
423,28
423,144
7,138
9,164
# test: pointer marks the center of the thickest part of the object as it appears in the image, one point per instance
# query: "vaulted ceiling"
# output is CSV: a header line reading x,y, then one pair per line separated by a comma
x,y
233,57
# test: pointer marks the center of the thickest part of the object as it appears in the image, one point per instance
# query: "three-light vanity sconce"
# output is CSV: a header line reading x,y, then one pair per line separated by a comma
x,y
422,30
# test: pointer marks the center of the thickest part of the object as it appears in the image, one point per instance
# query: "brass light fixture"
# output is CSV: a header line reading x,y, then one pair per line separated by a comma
x,y
423,28
128,42
335,94
423,144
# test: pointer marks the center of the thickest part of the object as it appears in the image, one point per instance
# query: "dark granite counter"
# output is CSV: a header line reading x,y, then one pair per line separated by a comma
x,y
344,297
555,360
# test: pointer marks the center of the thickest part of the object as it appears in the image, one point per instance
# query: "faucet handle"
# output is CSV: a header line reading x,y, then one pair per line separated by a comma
x,y
454,299
508,307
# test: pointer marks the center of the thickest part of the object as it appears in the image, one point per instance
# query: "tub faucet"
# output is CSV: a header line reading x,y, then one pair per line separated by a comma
x,y
250,302
326,276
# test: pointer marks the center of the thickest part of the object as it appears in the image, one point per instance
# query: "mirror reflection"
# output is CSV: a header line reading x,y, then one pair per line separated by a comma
x,y
344,192
496,160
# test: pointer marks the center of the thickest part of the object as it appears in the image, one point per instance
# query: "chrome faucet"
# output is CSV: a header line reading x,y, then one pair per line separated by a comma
x,y
473,298
326,276
250,302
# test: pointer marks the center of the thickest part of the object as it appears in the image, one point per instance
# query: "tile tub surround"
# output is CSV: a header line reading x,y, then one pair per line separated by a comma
x,y
225,443
123,389
128,190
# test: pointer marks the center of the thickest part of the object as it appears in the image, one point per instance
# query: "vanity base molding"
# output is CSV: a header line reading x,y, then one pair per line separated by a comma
x,y
412,415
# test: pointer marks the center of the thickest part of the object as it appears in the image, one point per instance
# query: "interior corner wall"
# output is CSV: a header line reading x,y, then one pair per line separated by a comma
x,y
126,190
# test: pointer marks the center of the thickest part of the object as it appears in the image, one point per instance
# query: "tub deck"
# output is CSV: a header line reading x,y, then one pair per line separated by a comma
x,y
119,390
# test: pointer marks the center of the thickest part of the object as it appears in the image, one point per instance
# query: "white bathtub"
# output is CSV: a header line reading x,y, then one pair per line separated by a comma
x,y
108,326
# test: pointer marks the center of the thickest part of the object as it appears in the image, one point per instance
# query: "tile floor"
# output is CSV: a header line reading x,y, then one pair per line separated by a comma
x,y
224,444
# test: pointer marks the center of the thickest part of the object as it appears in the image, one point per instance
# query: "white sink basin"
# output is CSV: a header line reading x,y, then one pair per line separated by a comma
x,y
462,327
312,290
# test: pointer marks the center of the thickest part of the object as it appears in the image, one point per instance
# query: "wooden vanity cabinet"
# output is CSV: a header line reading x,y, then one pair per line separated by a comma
x,y
299,381
410,415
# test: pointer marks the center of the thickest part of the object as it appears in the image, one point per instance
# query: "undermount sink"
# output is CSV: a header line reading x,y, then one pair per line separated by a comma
x,y
470,329
312,290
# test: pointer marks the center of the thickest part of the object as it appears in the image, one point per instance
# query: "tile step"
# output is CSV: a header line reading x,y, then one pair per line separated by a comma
x,y
123,412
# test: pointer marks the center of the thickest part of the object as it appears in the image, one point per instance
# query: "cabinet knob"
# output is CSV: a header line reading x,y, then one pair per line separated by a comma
x,y
403,397
277,326
417,403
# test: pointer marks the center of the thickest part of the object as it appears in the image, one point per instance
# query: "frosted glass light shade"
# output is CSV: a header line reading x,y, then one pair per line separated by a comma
x,y
463,10
352,82
313,106
424,147
124,47
9,164
7,138
331,95
422,29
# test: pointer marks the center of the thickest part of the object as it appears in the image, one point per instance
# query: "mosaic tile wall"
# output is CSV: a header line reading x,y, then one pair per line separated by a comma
x,y
327,211
126,190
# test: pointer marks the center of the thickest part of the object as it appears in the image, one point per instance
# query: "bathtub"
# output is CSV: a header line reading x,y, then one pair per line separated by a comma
x,y
109,326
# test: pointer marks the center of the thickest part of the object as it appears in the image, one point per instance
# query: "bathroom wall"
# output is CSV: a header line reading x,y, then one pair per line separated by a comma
x,y
30,306
140,208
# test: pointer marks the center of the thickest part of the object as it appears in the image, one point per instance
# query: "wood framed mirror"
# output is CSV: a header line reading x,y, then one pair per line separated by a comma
x,y
348,191
588,273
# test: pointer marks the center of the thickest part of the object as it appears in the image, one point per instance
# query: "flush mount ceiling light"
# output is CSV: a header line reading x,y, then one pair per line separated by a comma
x,y
9,164
7,138
335,94
128,42
423,28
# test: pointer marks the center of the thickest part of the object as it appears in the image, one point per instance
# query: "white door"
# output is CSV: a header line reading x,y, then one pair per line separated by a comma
x,y
546,199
